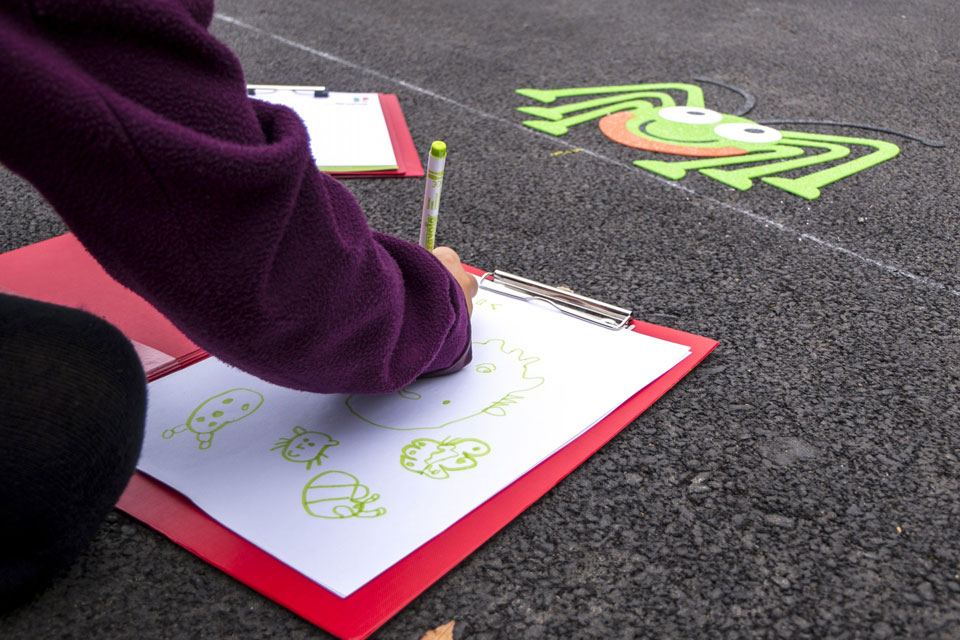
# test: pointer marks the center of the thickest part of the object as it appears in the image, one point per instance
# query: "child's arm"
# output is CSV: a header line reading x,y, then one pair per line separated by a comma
x,y
133,121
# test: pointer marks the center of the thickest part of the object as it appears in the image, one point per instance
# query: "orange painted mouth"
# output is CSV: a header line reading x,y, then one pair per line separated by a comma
x,y
614,126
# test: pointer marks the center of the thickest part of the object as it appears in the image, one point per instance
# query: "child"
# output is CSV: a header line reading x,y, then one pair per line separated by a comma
x,y
134,123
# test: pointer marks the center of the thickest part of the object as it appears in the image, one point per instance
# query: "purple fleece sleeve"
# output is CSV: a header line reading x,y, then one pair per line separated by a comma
x,y
133,121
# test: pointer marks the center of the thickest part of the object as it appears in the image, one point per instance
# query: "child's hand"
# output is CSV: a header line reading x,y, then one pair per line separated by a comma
x,y
449,258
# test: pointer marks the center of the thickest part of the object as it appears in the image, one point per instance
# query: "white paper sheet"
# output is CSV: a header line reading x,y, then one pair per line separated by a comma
x,y
348,131
342,487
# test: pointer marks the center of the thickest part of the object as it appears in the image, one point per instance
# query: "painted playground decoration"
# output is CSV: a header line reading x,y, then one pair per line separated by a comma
x,y
648,117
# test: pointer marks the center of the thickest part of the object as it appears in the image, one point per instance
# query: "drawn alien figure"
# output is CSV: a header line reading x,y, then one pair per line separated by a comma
x,y
216,413
436,460
647,117
495,378
336,495
305,446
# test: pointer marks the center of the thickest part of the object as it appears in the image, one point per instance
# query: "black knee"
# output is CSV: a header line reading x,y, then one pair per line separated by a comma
x,y
72,405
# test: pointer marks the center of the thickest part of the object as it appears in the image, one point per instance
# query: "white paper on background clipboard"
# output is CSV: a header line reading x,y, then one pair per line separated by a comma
x,y
348,131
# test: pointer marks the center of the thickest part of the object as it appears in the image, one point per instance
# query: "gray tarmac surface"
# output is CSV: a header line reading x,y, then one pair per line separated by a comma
x,y
803,481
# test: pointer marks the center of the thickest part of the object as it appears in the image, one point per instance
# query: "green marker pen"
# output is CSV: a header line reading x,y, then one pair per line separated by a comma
x,y
431,195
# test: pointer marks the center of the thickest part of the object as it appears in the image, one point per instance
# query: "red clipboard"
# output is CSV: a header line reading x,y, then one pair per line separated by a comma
x,y
59,270
408,160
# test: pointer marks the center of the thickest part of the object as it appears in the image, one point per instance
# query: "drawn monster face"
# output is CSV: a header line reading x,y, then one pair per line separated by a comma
x,y
305,446
488,384
687,131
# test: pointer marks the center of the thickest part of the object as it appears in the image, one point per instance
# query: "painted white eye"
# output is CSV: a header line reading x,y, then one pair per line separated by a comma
x,y
690,115
747,132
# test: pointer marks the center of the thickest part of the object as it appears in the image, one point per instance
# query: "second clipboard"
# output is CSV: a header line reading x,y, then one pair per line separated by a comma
x,y
382,146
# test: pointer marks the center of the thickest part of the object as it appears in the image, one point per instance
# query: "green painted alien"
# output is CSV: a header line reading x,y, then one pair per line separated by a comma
x,y
647,117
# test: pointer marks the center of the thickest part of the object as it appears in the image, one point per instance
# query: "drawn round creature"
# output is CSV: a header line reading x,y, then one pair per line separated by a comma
x,y
436,460
647,117
335,495
217,412
305,446
498,375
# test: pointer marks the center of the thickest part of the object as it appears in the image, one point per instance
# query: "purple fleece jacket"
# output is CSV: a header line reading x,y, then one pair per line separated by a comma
x,y
134,123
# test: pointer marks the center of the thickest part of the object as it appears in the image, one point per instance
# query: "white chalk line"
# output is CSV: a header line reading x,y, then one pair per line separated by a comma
x,y
889,268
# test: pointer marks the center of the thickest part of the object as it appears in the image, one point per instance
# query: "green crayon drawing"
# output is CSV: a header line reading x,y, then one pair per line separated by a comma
x,y
217,412
305,446
495,378
483,301
647,117
335,495
436,460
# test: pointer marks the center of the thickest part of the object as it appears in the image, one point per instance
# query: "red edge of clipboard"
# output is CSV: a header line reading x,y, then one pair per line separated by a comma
x,y
82,283
408,160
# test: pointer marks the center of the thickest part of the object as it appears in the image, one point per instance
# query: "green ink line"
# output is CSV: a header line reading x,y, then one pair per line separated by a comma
x,y
437,460
379,411
204,429
349,505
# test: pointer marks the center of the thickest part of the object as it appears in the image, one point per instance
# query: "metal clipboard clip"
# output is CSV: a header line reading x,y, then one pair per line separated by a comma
x,y
565,301
316,91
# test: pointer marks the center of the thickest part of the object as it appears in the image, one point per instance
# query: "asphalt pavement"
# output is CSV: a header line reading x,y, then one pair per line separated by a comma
x,y
803,481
